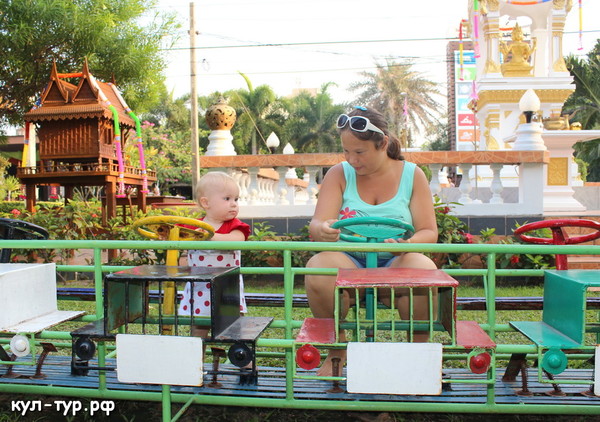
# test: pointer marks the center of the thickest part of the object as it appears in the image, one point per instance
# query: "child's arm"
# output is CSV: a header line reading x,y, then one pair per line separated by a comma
x,y
234,235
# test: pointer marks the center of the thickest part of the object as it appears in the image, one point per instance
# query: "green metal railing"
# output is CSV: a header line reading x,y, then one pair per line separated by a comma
x,y
488,276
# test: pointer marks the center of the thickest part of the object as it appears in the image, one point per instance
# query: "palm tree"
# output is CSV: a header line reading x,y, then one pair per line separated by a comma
x,y
392,86
258,114
311,122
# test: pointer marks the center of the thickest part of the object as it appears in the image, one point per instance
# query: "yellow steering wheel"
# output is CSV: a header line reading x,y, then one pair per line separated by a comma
x,y
169,227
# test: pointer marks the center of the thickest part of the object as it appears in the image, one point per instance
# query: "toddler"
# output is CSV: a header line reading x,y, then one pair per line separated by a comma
x,y
217,194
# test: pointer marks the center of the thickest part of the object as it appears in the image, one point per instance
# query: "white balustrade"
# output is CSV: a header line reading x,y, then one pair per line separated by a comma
x,y
465,186
496,186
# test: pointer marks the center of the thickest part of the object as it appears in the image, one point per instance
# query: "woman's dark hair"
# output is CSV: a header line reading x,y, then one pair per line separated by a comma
x,y
394,148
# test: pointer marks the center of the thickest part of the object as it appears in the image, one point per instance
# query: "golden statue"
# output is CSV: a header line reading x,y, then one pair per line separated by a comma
x,y
519,52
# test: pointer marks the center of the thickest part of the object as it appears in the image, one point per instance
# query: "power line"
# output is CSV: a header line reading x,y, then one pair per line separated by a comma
x,y
295,44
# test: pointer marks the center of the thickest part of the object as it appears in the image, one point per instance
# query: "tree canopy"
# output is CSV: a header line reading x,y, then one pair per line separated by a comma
x,y
259,112
118,38
584,106
311,122
394,85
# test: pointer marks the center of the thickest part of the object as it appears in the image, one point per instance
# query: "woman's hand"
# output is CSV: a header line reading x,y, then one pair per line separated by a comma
x,y
327,233
392,240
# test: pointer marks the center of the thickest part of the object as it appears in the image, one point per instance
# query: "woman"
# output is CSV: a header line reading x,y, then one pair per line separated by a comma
x,y
375,181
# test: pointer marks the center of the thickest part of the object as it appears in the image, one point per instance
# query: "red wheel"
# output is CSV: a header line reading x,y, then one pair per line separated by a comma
x,y
559,237
308,357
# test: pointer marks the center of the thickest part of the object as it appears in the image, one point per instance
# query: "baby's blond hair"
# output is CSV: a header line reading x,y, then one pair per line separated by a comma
x,y
211,180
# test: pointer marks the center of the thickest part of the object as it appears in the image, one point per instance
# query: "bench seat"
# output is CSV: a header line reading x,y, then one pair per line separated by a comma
x,y
544,335
317,331
470,335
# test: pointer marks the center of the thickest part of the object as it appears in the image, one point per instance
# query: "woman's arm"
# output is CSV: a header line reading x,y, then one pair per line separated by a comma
x,y
328,206
421,208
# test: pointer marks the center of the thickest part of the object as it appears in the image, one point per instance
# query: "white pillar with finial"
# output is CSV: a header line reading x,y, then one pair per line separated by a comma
x,y
529,134
220,118
273,142
291,173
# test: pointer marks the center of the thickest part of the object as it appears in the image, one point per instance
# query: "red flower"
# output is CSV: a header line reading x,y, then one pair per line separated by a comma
x,y
94,215
443,210
347,213
469,237
15,212
515,259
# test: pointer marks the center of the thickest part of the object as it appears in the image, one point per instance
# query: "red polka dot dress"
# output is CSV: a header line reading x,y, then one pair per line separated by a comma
x,y
196,299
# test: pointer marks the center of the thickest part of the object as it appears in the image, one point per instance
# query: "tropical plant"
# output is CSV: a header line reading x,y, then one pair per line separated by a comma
x,y
8,185
258,114
451,229
526,261
403,95
311,122
169,113
437,137
262,232
584,106
166,151
116,38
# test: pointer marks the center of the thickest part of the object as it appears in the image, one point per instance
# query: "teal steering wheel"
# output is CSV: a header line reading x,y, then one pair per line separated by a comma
x,y
375,229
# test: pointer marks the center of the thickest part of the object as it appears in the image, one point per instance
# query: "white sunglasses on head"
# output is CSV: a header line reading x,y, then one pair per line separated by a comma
x,y
357,123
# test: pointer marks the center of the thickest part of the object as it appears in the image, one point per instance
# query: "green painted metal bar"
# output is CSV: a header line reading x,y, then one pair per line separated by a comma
x,y
288,286
351,406
305,246
166,403
288,289
183,409
98,285
490,292
411,316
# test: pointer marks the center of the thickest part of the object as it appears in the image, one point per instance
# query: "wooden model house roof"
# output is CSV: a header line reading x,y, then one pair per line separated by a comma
x,y
62,100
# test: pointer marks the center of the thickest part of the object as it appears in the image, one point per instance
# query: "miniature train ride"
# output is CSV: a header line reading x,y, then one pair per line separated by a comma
x,y
138,347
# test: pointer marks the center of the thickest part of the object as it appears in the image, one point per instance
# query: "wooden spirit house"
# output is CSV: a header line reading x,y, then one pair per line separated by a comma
x,y
81,131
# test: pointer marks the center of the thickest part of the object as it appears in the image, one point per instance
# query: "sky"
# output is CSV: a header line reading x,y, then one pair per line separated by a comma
x,y
325,41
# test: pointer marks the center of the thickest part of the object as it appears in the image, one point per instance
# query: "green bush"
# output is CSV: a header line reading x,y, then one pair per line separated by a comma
x,y
264,232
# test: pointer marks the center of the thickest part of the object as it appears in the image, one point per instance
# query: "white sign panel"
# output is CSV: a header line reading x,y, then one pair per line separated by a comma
x,y
395,368
151,359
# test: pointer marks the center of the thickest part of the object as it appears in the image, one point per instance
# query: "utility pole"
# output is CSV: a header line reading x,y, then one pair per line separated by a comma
x,y
194,104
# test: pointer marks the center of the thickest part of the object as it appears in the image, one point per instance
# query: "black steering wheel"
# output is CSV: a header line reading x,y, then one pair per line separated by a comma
x,y
17,229
373,229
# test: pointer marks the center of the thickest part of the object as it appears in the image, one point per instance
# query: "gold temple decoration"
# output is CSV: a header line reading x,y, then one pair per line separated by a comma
x,y
556,123
560,65
569,5
558,4
491,66
491,122
486,6
519,52
512,96
220,116
558,171
576,126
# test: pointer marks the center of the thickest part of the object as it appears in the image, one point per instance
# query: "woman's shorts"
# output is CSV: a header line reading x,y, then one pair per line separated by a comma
x,y
362,262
